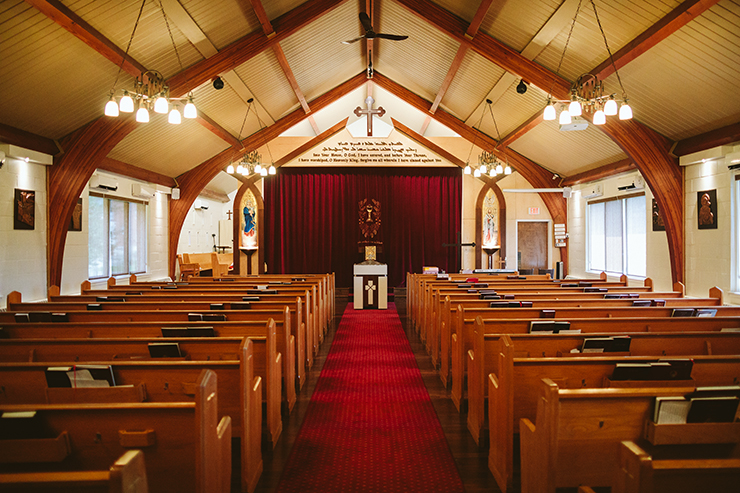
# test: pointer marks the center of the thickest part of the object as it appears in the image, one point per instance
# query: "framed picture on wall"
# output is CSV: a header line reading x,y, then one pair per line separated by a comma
x,y
75,222
658,224
706,204
24,209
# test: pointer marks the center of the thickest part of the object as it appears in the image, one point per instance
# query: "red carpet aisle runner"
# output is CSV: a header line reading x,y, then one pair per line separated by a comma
x,y
370,425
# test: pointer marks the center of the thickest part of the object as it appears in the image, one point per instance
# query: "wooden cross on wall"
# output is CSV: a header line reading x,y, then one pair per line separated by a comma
x,y
369,112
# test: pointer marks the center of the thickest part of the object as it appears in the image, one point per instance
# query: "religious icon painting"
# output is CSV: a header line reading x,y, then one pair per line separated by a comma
x,y
75,222
249,220
490,220
24,209
369,217
658,224
706,204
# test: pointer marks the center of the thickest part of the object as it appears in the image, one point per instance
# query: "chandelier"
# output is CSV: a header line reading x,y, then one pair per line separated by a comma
x,y
251,161
587,92
488,163
150,92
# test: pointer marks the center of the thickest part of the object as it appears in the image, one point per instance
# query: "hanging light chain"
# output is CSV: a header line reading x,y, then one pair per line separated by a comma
x,y
611,57
128,47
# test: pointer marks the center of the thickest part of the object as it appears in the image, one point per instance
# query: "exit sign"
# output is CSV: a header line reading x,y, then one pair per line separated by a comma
x,y
534,211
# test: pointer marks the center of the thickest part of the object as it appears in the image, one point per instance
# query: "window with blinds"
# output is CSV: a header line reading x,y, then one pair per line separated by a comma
x,y
117,243
617,236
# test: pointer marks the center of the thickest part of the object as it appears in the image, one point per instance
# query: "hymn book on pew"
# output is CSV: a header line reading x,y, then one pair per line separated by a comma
x,y
164,350
617,344
549,327
704,405
188,332
667,369
80,376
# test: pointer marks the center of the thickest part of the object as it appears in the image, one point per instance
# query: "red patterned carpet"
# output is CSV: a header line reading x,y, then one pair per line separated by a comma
x,y
370,425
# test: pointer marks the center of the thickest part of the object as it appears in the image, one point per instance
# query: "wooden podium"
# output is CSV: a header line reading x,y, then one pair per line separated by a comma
x,y
371,285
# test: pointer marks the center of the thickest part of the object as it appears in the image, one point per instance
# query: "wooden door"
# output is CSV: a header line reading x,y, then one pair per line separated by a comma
x,y
532,245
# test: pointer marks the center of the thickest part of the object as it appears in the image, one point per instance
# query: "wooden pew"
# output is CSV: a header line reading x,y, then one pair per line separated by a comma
x,y
640,472
127,474
175,303
154,380
514,392
463,342
430,287
286,345
317,307
263,302
218,263
435,314
185,447
578,434
267,360
449,319
324,285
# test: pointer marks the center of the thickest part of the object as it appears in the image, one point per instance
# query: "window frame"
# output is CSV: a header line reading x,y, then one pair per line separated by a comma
x,y
624,226
127,233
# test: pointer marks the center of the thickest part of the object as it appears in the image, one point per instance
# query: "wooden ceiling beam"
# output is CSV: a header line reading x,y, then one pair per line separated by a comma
x,y
197,178
535,174
522,129
672,22
280,55
480,14
444,154
125,169
259,11
90,36
298,151
713,138
439,150
490,48
216,129
73,23
462,50
600,173
28,140
267,28
250,45
454,67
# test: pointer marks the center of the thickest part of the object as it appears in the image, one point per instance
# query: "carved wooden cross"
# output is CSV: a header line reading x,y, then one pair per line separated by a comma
x,y
370,287
229,213
369,112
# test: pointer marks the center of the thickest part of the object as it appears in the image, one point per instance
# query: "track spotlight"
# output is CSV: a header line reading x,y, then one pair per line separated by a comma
x,y
521,88
218,83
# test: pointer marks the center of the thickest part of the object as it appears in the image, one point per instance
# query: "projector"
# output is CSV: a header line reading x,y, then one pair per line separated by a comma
x,y
578,123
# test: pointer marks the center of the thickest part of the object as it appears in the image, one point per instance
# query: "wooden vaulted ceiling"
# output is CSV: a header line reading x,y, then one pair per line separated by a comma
x,y
672,57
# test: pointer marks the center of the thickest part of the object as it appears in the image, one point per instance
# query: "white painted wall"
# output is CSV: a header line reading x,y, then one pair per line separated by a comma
x,y
658,260
201,224
22,252
518,209
75,264
709,251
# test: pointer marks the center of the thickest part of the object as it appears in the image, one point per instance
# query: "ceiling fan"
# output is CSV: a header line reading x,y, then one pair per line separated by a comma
x,y
370,34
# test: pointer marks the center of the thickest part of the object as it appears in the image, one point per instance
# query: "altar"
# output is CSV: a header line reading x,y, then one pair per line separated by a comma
x,y
371,285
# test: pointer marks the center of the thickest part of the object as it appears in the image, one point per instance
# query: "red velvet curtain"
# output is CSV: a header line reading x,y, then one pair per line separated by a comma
x,y
312,219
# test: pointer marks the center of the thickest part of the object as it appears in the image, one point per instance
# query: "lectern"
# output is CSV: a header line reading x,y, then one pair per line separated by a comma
x,y
371,285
